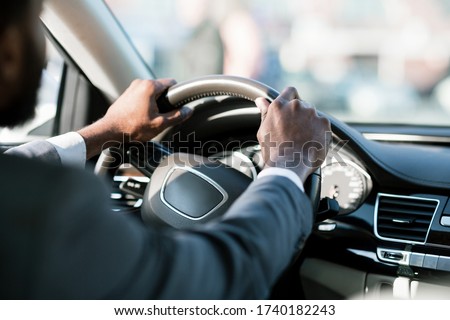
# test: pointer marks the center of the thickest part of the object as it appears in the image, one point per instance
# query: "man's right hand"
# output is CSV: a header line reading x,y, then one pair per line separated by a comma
x,y
292,135
135,114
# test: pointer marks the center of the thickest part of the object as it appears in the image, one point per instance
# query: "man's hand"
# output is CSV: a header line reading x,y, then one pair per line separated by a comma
x,y
135,113
292,135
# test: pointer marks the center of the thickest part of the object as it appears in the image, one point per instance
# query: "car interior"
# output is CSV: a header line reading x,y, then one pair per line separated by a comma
x,y
382,196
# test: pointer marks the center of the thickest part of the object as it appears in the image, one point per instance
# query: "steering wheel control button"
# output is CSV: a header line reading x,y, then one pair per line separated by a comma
x,y
443,263
133,187
445,221
416,259
430,261
182,185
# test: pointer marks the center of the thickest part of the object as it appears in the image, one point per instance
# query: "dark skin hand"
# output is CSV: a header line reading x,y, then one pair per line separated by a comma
x,y
292,135
135,113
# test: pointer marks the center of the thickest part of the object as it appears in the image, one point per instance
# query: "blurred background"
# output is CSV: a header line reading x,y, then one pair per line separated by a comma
x,y
363,61
381,61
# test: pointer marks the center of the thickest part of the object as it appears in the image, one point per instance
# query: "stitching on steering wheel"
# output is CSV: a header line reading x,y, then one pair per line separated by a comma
x,y
211,94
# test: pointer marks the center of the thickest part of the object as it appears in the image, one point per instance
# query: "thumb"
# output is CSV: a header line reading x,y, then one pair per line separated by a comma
x,y
263,106
175,117
162,85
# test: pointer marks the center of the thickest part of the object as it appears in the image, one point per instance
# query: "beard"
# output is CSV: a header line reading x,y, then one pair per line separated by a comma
x,y
21,107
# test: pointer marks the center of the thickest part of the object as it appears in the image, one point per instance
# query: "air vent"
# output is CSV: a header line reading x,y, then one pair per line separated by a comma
x,y
404,219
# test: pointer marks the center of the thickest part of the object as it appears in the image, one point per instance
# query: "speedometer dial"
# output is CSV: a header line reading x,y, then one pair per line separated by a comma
x,y
346,182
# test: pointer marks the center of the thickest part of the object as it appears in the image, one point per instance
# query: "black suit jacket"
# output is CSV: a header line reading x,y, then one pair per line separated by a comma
x,y
59,240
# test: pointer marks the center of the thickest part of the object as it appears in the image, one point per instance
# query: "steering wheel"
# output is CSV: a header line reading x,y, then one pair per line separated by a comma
x,y
187,189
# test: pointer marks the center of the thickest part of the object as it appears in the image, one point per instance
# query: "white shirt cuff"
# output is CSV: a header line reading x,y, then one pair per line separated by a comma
x,y
71,149
272,171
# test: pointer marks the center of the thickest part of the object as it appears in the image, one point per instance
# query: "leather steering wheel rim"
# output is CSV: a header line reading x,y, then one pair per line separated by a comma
x,y
213,86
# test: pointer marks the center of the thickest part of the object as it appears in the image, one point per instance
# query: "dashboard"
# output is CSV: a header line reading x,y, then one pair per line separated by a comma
x,y
391,238
343,176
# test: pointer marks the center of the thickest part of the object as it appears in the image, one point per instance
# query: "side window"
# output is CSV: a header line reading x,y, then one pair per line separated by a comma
x,y
41,126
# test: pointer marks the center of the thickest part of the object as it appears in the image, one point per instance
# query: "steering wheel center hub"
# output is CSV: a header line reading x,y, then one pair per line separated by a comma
x,y
186,189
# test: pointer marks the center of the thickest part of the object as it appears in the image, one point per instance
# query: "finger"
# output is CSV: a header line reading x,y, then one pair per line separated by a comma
x,y
290,93
175,117
163,84
308,105
263,106
305,105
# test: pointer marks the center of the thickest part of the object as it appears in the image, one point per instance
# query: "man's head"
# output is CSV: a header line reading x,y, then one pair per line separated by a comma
x,y
22,56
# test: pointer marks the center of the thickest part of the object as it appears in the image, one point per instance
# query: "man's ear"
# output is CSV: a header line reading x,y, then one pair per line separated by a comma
x,y
11,56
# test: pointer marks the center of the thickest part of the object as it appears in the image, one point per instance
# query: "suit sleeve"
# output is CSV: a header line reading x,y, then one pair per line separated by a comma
x,y
76,248
40,150
241,256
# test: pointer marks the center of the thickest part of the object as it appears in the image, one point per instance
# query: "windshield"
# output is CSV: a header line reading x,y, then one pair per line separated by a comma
x,y
377,61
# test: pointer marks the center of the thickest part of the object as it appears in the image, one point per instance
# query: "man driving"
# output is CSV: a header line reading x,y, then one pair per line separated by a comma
x,y
60,240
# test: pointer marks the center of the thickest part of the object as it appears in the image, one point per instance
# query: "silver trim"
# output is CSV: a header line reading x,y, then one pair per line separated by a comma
x,y
375,225
400,137
236,112
326,227
416,259
201,175
248,161
430,261
401,221
226,154
125,178
405,256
